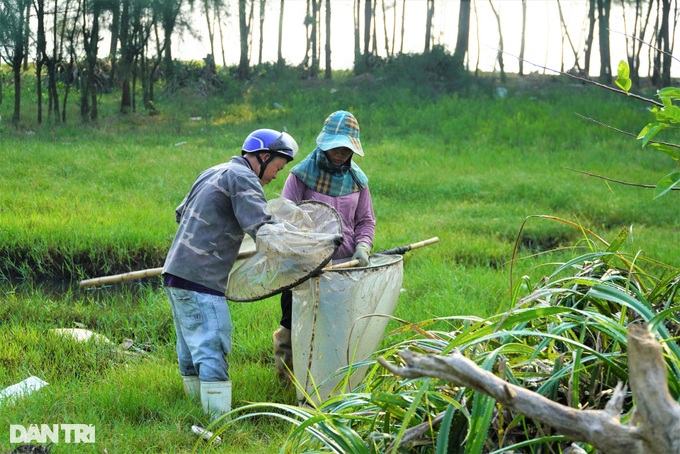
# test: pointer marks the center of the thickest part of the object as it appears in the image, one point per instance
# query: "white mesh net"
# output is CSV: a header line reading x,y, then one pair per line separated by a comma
x,y
302,241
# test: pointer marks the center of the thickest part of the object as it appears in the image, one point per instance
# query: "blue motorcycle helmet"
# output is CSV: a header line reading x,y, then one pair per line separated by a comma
x,y
269,141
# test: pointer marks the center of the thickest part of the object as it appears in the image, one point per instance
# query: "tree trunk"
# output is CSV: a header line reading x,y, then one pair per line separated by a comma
x,y
374,28
368,14
153,70
314,43
523,38
357,35
394,27
243,70
403,26
463,38
169,14
68,36
41,52
133,82
632,45
53,94
603,13
27,32
113,48
224,58
328,72
261,43
642,32
126,58
16,71
428,25
387,37
474,5
18,47
500,42
654,55
88,95
566,35
279,53
144,79
308,37
664,44
251,15
590,37
211,26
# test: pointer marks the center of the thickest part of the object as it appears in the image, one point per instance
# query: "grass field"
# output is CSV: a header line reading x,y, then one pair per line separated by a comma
x,y
80,201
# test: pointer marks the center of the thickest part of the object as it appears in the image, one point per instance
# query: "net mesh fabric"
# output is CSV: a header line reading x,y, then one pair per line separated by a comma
x,y
301,242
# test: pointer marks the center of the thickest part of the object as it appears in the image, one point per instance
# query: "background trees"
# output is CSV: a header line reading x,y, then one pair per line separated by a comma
x,y
13,44
64,39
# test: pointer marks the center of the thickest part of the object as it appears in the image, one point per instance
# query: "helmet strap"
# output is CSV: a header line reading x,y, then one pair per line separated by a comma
x,y
263,164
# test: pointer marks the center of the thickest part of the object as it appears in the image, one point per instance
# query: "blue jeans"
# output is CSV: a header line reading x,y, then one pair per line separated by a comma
x,y
203,327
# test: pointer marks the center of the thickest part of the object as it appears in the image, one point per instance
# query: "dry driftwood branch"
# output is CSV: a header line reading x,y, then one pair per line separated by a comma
x,y
656,427
657,414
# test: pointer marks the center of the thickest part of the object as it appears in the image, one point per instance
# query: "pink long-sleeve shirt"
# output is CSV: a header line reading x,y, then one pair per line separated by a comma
x,y
355,210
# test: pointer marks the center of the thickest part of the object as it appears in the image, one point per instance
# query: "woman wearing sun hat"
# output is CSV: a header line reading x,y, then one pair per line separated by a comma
x,y
328,174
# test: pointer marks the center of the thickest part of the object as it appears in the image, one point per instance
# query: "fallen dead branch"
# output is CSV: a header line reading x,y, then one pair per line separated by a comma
x,y
655,428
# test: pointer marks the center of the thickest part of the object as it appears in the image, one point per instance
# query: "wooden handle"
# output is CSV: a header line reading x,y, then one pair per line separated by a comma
x,y
349,264
121,277
424,243
403,249
151,272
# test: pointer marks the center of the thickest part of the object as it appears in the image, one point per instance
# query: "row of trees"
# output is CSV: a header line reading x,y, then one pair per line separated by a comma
x,y
61,39
140,36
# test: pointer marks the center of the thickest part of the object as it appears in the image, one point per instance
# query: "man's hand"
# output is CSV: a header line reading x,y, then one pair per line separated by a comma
x,y
361,253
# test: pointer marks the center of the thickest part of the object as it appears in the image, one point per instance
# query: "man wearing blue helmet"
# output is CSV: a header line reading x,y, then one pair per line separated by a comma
x,y
225,202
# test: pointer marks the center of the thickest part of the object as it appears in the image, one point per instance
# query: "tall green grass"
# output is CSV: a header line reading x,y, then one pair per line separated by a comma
x,y
82,201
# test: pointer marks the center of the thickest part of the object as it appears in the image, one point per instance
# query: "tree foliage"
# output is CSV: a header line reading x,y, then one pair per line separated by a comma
x,y
65,43
666,120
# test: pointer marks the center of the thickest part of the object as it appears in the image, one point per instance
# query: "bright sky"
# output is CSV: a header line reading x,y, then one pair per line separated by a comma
x,y
544,42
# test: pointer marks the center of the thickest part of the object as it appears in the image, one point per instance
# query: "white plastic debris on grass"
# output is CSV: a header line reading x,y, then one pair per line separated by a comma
x,y
206,434
81,335
85,335
22,388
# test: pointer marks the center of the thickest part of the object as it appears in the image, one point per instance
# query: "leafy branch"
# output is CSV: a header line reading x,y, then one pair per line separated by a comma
x,y
666,118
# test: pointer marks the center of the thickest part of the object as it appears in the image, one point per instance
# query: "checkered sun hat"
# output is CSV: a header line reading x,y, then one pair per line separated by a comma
x,y
341,129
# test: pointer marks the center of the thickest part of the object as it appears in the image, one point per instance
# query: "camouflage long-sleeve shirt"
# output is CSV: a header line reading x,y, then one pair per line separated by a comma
x,y
224,203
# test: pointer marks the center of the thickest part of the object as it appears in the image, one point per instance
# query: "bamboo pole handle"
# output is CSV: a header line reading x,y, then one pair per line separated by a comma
x,y
398,250
408,247
425,242
151,272
348,264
